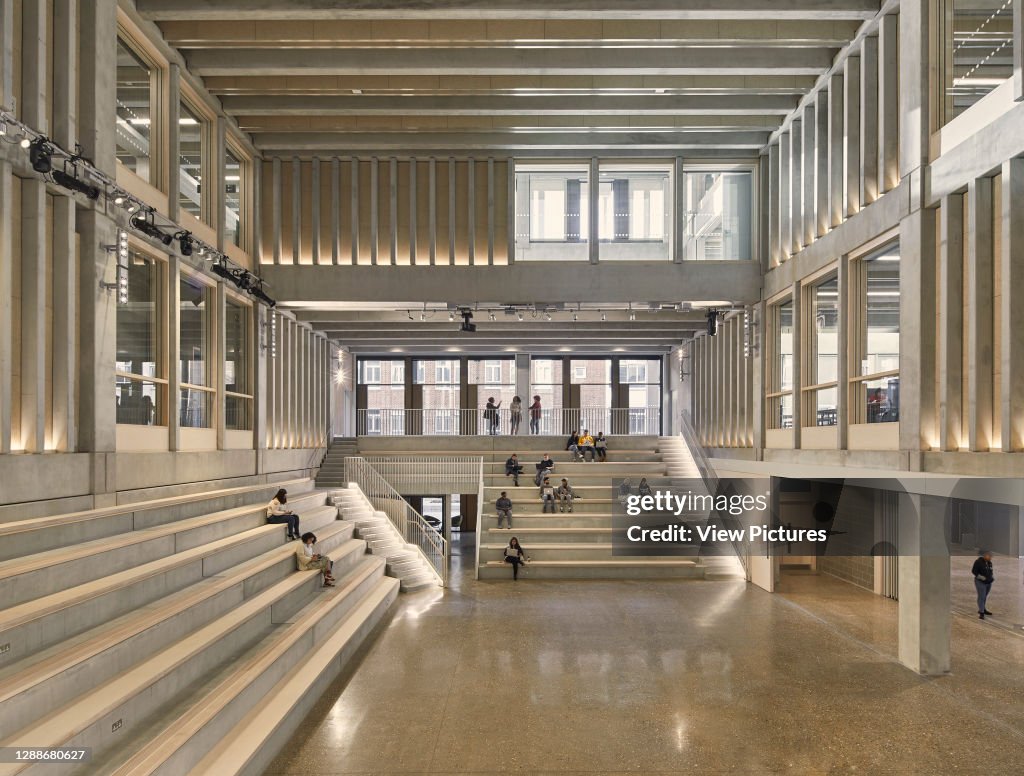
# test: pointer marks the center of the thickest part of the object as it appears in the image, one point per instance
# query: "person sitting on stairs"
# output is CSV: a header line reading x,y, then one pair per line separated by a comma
x,y
601,446
278,513
513,468
547,495
565,495
504,507
309,560
545,467
515,555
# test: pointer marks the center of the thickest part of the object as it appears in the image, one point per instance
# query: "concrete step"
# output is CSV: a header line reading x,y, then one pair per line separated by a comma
x,y
175,744
42,622
41,534
572,550
557,520
532,505
602,569
582,536
54,676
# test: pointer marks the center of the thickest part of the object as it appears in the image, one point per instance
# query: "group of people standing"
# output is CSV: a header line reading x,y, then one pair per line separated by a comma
x,y
515,415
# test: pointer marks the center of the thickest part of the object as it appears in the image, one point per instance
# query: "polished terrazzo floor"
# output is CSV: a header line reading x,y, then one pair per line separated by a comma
x,y
662,678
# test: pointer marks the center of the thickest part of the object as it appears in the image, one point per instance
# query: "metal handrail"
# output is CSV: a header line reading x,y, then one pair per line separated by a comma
x,y
479,519
468,422
415,474
406,520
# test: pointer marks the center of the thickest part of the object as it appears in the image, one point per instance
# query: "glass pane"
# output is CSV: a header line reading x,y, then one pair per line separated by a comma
x,y
546,382
591,371
880,399
825,307
640,371
138,327
980,51
237,347
882,345
552,213
190,162
826,401
139,403
237,413
134,111
780,411
718,216
196,330
634,214
232,199
784,347
196,408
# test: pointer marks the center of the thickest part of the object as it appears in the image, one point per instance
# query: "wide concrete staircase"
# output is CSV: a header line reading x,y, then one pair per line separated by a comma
x,y
561,545
332,469
404,561
176,636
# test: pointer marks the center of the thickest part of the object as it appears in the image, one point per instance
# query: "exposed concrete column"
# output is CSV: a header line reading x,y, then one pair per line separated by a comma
x,y
1012,312
924,603
915,65
174,141
774,184
888,103
219,163
280,397
726,343
393,208
851,146
6,304
335,210
354,203
261,404
314,210
798,378
256,226
836,136
979,315
522,367
785,204
809,230
869,83
697,378
34,238
451,210
594,184
296,209
796,191
1018,50
678,210
97,35
173,301
413,206
220,351
951,319
822,220
917,331
757,381
275,207
843,354
510,209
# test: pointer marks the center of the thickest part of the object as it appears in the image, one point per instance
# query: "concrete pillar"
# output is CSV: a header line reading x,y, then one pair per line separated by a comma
x,y
97,35
220,322
809,230
354,204
451,210
917,331
915,64
523,386
255,228
296,209
412,212
822,220
218,196
173,349
851,146
1018,50
869,83
836,169
314,210
1012,312
774,183
6,52
979,315
785,203
174,142
471,207
594,182
275,207
924,603
393,209
335,210
757,378
796,183
951,320
432,211
888,103
6,297
510,209
261,404
678,210
726,344
798,360
490,211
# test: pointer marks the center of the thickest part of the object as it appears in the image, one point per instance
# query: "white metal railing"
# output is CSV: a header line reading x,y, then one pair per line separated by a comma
x,y
419,475
455,422
409,523
479,520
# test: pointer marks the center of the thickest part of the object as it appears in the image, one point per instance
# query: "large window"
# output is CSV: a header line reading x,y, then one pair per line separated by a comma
x,y
821,384
635,212
195,341
135,114
438,382
876,387
592,393
233,183
238,395
494,378
191,152
546,382
140,382
552,212
718,215
384,385
977,45
640,379
780,394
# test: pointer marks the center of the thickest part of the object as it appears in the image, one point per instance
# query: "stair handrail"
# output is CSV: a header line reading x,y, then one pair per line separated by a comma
x,y
479,518
409,523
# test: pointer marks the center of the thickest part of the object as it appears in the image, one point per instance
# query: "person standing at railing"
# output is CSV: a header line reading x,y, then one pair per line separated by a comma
x,y
515,555
547,496
565,495
535,411
513,468
491,416
504,507
586,445
278,513
601,446
545,466
515,414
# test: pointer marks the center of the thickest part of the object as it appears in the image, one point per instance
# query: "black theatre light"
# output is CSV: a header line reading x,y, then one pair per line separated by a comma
x,y
259,294
39,153
69,181
221,270
142,222
712,323
185,243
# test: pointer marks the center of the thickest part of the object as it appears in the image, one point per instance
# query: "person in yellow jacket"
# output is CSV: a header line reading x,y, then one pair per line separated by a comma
x,y
585,445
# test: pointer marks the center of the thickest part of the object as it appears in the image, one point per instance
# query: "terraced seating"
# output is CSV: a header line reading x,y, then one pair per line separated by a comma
x,y
156,628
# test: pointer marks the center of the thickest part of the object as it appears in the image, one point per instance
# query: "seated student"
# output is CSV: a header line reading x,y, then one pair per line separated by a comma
x,y
565,495
625,489
586,445
309,560
504,507
601,446
643,488
513,468
515,555
545,466
278,513
572,445
547,495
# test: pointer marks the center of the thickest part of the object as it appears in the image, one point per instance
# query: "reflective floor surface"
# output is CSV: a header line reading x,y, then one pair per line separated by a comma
x,y
675,677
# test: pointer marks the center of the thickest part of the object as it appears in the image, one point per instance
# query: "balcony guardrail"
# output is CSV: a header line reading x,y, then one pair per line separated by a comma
x,y
465,422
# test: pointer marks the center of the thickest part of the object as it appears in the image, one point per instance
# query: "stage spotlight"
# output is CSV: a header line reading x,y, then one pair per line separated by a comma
x,y
221,270
185,243
62,178
261,295
712,323
143,222
40,153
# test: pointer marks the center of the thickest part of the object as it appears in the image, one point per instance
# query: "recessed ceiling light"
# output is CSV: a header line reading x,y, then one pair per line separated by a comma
x,y
357,91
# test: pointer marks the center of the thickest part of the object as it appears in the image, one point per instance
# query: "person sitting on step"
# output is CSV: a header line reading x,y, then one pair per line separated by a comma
x,y
644,489
547,495
309,560
545,467
513,468
572,445
565,495
504,507
601,446
278,513
586,445
515,555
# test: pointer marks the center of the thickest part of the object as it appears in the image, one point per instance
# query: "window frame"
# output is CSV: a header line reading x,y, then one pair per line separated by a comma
x,y
142,49
773,367
810,389
723,167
